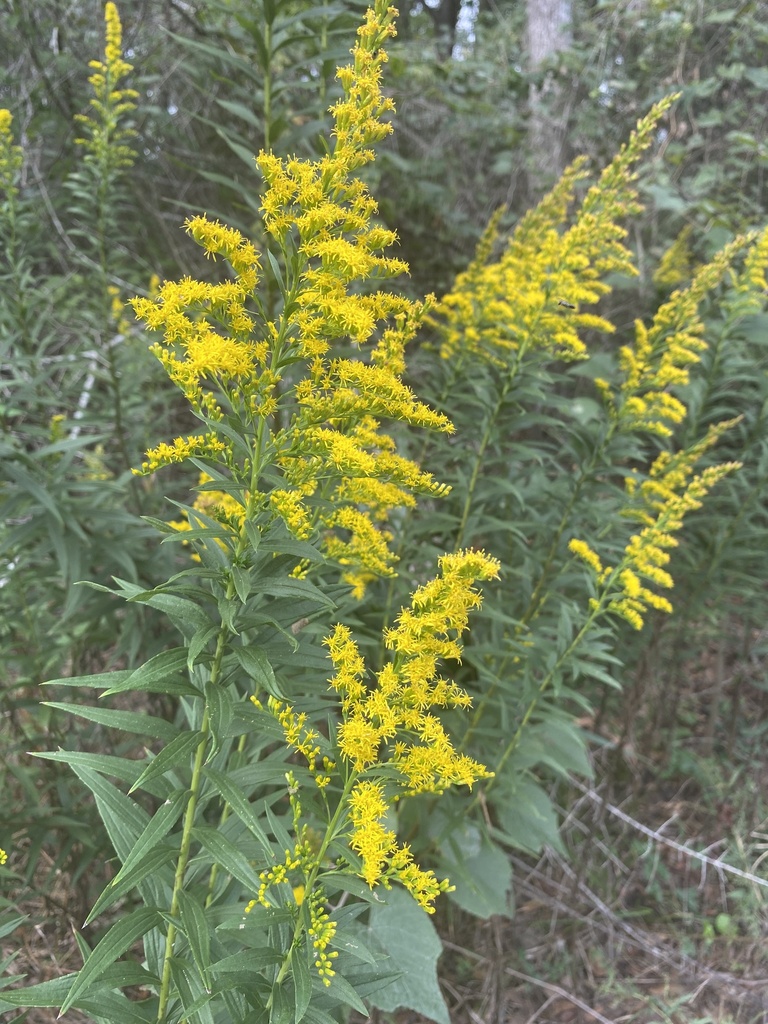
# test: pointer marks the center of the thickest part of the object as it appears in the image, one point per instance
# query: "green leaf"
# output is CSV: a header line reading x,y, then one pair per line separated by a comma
x,y
242,581
218,700
46,993
120,767
526,815
186,616
127,721
278,830
150,864
257,667
480,871
197,932
247,960
557,743
298,590
240,805
29,484
242,111
97,682
176,754
408,936
227,856
195,1000
111,1007
123,818
198,642
276,269
117,940
154,675
302,982
162,822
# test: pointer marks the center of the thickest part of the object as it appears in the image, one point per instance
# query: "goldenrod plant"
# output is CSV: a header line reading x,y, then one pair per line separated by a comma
x,y
274,793
72,415
719,595
69,423
563,443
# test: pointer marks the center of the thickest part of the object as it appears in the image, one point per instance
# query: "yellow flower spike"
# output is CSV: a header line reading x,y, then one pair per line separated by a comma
x,y
341,477
370,838
662,354
387,722
530,298
660,504
11,157
675,265
583,551
106,135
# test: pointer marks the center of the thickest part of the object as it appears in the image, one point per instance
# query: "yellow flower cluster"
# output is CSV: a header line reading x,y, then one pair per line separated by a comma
x,y
747,295
659,503
11,157
530,297
322,426
321,932
299,863
117,309
662,354
391,724
675,265
106,135
303,739
383,860
195,446
3,856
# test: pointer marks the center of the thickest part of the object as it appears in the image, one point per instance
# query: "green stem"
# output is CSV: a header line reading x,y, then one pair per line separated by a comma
x,y
186,835
330,834
181,865
542,688
268,88
484,442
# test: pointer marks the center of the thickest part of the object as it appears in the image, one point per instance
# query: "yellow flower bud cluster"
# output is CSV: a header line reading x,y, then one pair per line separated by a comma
x,y
195,446
747,295
316,419
302,738
321,932
531,296
11,157
390,724
659,503
662,354
106,135
383,860
675,265
280,884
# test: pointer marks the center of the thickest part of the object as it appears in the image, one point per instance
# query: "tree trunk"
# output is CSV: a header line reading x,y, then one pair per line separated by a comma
x,y
445,17
549,32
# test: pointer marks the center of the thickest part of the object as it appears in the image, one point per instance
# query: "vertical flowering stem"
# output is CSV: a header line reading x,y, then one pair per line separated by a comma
x,y
183,859
107,156
11,160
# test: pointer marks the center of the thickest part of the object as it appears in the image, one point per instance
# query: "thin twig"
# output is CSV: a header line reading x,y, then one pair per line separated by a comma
x,y
717,864
557,991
